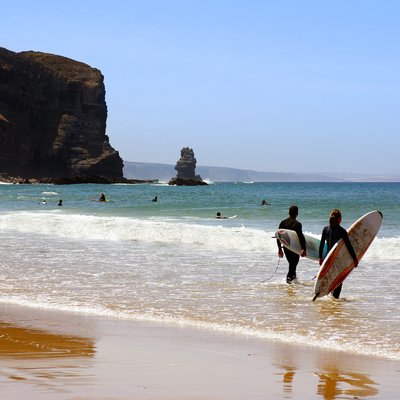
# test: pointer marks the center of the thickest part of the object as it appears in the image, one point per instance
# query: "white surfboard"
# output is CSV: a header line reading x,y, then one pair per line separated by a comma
x,y
338,263
223,217
290,240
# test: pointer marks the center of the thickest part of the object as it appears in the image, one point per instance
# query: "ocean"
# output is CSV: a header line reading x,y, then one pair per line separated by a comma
x,y
173,262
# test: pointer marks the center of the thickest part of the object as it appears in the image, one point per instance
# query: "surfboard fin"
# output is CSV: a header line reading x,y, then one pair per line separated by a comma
x,y
315,297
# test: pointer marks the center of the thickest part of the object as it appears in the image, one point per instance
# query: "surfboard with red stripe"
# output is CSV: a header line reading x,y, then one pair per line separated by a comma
x,y
338,263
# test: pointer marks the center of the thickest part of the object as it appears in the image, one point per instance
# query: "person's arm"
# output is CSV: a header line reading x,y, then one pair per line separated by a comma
x,y
280,252
349,246
302,240
278,242
321,246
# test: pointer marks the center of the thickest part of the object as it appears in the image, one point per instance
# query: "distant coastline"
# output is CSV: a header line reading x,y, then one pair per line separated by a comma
x,y
164,172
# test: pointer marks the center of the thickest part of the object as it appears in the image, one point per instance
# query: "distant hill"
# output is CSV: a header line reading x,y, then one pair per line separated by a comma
x,y
164,172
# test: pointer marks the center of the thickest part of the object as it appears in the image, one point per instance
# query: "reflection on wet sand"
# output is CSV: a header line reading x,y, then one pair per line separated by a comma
x,y
334,384
287,372
46,359
18,342
288,379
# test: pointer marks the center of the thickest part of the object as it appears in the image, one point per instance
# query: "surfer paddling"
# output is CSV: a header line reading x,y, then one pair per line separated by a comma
x,y
292,258
219,216
331,234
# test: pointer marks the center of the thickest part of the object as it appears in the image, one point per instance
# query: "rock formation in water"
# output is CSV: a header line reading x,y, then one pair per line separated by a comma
x,y
53,118
185,168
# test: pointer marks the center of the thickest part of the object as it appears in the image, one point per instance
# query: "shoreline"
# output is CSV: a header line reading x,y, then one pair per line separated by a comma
x,y
70,180
52,354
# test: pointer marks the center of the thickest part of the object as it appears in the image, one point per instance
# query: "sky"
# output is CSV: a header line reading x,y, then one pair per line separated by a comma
x,y
281,86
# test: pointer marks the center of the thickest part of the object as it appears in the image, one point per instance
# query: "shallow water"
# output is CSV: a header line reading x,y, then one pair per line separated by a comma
x,y
172,261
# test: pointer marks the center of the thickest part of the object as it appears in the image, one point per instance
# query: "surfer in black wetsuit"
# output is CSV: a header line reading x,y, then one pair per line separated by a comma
x,y
332,233
292,258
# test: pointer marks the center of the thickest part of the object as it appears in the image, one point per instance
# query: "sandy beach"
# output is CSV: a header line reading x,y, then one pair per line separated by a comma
x,y
55,355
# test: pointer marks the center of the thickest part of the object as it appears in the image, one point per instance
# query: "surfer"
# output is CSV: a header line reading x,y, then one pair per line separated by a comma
x,y
102,198
332,233
60,203
292,258
219,216
265,203
155,199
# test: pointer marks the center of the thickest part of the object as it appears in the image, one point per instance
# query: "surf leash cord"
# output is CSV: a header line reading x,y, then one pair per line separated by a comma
x,y
276,269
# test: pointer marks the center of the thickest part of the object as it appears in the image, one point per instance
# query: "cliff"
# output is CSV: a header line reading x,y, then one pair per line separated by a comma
x,y
53,118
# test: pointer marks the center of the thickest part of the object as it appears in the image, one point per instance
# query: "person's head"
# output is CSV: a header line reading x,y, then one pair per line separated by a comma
x,y
218,214
335,217
294,211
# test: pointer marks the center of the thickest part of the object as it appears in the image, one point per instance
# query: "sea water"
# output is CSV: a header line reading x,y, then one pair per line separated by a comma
x,y
172,261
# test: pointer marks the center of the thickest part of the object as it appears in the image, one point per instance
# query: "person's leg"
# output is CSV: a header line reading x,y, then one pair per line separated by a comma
x,y
293,260
336,292
293,267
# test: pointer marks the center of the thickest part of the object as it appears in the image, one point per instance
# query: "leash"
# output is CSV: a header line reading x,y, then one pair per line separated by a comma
x,y
276,269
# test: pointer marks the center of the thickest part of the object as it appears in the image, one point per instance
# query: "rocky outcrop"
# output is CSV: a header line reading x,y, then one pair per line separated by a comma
x,y
186,182
185,167
53,118
17,180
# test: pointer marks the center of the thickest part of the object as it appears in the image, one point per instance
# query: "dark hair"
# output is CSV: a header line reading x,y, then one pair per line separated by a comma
x,y
334,217
294,211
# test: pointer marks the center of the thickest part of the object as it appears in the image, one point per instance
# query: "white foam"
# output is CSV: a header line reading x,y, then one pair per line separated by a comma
x,y
50,193
133,229
164,230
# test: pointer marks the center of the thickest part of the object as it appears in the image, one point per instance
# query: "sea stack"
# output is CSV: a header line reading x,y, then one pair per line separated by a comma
x,y
185,167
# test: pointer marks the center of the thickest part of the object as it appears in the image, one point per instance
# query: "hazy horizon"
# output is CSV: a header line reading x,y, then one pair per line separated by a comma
x,y
329,174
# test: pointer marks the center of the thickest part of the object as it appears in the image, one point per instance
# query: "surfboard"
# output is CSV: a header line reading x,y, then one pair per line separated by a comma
x,y
290,240
223,217
338,263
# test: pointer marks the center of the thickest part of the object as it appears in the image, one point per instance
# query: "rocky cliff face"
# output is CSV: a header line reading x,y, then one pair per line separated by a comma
x,y
53,118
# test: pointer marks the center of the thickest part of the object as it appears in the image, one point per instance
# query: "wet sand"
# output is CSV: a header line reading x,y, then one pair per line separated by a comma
x,y
54,355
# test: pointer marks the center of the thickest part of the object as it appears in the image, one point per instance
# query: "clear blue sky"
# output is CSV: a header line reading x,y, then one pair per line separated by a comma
x,y
290,86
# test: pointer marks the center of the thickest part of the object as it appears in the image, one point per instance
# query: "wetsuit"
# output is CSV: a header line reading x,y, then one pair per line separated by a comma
x,y
292,258
332,236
